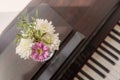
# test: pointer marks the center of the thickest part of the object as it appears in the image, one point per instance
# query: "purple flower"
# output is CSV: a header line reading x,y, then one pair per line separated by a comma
x,y
40,51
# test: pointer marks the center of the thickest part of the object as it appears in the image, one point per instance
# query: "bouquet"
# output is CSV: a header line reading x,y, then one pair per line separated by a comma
x,y
37,39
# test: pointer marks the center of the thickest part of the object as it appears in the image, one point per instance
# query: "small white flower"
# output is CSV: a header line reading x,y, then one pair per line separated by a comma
x,y
54,39
56,42
45,26
24,48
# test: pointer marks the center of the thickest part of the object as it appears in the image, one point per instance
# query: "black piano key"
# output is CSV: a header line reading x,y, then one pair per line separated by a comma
x,y
97,71
80,78
63,78
71,72
113,48
105,57
80,59
68,71
110,53
78,62
85,74
100,65
114,38
116,32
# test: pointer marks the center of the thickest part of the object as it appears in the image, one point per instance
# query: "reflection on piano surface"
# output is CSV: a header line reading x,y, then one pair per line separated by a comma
x,y
100,59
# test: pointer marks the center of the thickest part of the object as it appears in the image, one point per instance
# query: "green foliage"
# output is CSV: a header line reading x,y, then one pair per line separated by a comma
x,y
28,29
17,40
47,41
36,13
38,35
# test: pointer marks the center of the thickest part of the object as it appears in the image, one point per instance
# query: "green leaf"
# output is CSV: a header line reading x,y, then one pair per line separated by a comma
x,y
37,35
36,13
33,19
28,27
43,34
19,35
47,41
17,40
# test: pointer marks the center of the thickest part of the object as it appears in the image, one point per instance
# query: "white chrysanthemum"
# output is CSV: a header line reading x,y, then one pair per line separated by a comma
x,y
44,26
54,40
24,48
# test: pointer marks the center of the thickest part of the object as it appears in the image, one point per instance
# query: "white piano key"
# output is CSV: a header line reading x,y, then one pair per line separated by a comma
x,y
91,73
113,69
111,77
117,28
82,76
96,66
117,62
103,52
113,42
115,72
87,75
105,57
117,66
101,60
112,33
108,48
93,64
75,78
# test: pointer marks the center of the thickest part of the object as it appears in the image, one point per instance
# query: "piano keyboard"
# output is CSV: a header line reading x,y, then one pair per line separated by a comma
x,y
104,64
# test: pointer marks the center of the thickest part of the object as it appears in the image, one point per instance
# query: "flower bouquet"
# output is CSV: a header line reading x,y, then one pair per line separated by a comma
x,y
37,39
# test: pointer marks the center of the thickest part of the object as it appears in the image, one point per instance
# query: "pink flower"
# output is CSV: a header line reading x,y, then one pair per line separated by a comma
x,y
40,51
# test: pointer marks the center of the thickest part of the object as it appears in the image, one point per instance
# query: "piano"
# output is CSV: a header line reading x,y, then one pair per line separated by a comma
x,y
95,58
79,58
